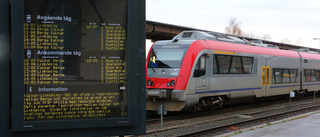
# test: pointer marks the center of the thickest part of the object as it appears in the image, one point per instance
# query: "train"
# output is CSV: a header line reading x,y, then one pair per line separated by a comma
x,y
199,70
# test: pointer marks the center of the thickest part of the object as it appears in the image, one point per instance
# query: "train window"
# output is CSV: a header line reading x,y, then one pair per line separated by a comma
x,y
224,63
318,75
285,75
277,75
307,75
166,57
199,71
310,75
215,67
294,75
268,76
236,67
186,34
313,75
247,64
263,75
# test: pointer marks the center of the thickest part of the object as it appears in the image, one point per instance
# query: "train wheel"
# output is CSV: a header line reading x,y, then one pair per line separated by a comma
x,y
197,107
209,103
301,93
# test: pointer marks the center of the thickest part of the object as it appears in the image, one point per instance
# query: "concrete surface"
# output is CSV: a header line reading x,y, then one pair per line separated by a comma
x,y
306,125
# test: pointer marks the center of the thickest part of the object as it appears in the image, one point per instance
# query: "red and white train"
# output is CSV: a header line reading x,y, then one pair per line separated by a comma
x,y
198,70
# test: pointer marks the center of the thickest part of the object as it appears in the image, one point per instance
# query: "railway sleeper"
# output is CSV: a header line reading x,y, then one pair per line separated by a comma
x,y
209,103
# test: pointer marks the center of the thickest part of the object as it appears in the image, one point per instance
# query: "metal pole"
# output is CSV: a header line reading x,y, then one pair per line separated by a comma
x,y
161,121
162,110
290,99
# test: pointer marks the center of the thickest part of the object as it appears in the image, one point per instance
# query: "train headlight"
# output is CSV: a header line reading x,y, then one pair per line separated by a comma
x,y
149,82
168,84
172,83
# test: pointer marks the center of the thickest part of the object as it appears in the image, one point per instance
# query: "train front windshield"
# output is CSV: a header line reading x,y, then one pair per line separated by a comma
x,y
166,56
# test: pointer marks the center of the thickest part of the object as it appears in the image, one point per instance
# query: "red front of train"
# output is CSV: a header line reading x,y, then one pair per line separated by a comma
x,y
168,68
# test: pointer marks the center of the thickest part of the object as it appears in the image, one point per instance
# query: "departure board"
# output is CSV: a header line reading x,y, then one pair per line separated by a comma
x,y
75,59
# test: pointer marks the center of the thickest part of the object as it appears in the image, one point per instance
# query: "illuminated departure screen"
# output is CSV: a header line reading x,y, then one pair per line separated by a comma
x,y
75,61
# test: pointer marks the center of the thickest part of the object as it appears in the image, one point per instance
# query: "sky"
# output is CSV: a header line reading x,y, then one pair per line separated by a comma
x,y
296,20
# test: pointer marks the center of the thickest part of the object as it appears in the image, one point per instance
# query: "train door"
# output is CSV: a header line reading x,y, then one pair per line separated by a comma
x,y
265,81
199,76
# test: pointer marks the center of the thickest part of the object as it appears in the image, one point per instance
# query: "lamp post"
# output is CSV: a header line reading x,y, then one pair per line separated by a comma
x,y
317,39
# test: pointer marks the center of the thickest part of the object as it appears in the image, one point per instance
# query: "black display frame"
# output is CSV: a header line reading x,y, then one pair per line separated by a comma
x,y
135,73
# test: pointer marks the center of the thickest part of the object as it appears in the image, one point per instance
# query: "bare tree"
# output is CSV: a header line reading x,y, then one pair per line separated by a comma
x,y
266,37
286,40
251,35
298,42
234,28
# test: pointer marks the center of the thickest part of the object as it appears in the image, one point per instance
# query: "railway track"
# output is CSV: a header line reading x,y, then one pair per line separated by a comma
x,y
201,127
153,117
250,121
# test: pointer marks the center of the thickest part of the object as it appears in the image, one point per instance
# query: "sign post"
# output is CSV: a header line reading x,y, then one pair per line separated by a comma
x,y
162,110
292,95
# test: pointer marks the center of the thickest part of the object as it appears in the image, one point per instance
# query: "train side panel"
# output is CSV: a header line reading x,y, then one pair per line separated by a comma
x,y
230,85
285,76
310,71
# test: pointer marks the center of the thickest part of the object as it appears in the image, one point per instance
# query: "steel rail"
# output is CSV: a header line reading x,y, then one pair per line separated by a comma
x,y
210,129
199,114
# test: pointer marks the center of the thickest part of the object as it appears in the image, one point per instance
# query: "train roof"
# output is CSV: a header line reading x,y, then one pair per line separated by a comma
x,y
170,42
253,47
162,31
195,35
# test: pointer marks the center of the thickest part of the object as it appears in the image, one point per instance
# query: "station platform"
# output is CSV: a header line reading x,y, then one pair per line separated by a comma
x,y
305,125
